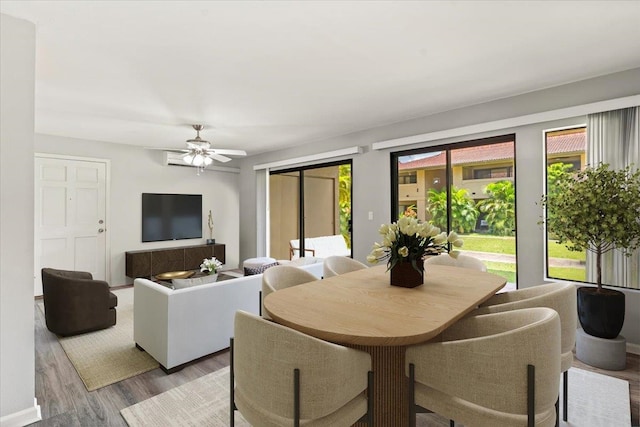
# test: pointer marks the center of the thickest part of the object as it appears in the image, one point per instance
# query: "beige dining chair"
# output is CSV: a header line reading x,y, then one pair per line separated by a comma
x,y
280,376
281,277
560,297
464,261
498,370
336,265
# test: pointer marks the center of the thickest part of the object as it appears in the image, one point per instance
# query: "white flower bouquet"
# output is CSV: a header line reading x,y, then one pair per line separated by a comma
x,y
408,240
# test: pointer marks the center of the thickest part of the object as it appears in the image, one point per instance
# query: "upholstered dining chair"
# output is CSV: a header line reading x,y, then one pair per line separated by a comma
x,y
464,261
280,376
336,265
560,297
281,277
74,303
498,370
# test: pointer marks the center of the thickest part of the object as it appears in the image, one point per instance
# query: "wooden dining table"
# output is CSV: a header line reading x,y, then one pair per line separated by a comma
x,y
361,310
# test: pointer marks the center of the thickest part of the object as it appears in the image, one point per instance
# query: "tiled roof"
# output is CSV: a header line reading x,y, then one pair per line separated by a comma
x,y
567,143
561,143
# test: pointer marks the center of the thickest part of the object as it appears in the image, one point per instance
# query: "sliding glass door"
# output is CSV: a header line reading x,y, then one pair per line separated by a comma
x,y
308,202
468,188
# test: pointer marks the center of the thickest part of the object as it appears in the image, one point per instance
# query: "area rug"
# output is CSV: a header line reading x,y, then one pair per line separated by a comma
x,y
107,356
594,400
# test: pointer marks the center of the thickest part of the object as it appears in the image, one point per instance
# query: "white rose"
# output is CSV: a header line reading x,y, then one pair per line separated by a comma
x,y
403,251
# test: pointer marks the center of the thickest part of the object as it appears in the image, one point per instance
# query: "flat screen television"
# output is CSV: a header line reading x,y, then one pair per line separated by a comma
x,y
171,217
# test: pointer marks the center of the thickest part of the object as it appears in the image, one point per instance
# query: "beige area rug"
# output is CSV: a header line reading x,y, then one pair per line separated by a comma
x,y
594,401
107,356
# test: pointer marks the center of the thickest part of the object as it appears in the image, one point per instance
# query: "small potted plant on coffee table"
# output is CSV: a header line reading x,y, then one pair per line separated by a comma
x,y
210,267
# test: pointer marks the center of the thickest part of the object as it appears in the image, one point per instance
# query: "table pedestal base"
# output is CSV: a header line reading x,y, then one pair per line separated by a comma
x,y
390,397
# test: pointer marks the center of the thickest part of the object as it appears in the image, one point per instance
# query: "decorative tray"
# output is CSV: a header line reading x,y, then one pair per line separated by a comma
x,y
169,275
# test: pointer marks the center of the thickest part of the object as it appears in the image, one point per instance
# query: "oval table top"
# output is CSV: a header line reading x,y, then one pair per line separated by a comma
x,y
362,308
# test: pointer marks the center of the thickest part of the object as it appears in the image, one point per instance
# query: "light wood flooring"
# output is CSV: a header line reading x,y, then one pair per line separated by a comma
x,y
65,402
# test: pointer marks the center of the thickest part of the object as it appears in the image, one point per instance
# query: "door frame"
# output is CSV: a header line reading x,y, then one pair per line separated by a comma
x,y
447,147
301,226
107,195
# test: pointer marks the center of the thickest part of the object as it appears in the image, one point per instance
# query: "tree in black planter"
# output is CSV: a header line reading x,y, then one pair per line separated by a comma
x,y
597,209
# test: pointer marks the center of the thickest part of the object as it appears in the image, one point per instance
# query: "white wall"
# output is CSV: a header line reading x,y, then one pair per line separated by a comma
x,y
17,83
133,171
371,170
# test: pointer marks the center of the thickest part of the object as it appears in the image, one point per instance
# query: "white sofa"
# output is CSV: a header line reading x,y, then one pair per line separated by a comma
x,y
178,326
320,247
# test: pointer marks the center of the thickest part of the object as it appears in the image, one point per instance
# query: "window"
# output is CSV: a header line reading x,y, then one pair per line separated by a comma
x,y
494,172
566,151
408,177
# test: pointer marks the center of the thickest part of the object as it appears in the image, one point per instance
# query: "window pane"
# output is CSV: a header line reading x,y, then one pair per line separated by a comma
x,y
321,212
565,153
284,214
419,175
324,209
483,205
481,194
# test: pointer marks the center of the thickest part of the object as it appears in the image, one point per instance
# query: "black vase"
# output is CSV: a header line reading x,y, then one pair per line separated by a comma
x,y
403,274
601,314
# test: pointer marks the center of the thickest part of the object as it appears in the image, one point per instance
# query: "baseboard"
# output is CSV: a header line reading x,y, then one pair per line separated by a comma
x,y
24,417
633,348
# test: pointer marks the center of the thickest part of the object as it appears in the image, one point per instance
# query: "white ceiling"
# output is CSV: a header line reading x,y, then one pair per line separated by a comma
x,y
265,75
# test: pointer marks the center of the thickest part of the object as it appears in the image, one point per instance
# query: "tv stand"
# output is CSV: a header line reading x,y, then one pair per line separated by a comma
x,y
147,263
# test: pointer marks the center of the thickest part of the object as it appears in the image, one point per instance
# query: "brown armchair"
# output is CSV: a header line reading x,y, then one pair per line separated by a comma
x,y
74,303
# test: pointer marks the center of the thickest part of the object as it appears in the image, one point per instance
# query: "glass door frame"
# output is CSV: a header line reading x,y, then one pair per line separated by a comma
x,y
301,192
448,148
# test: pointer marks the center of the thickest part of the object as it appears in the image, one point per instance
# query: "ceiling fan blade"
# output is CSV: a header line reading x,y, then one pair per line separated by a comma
x,y
229,152
218,157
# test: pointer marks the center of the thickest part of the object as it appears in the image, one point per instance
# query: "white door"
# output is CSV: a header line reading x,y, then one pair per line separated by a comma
x,y
70,217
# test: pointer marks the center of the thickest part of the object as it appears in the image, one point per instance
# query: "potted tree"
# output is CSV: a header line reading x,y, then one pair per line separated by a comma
x,y
598,210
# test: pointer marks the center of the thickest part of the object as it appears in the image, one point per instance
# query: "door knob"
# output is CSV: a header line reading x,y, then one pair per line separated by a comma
x,y
100,230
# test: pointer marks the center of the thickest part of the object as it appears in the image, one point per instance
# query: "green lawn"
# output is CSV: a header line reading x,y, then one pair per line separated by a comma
x,y
487,243
567,273
504,269
507,270
506,245
561,251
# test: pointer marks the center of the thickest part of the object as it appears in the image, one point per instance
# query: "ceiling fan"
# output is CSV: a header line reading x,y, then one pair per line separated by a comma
x,y
200,154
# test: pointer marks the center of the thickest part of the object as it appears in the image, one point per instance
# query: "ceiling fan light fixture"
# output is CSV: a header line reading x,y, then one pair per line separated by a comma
x,y
198,159
199,154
